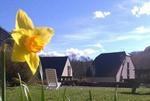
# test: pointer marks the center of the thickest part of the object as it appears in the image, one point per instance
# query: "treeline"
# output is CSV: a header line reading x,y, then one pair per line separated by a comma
x,y
141,61
81,69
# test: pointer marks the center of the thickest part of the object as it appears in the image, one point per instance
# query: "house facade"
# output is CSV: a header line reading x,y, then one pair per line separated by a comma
x,y
126,70
113,67
3,35
61,64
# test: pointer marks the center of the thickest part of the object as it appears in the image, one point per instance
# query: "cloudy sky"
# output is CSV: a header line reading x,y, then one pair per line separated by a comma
x,y
86,27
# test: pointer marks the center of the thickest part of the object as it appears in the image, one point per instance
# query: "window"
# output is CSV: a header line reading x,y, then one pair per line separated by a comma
x,y
128,70
69,70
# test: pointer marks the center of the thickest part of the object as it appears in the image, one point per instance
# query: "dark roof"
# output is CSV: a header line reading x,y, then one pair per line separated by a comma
x,y
107,64
3,34
57,63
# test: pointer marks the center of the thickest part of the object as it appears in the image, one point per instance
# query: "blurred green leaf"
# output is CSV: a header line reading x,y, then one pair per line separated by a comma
x,y
27,92
3,73
0,98
115,95
64,94
90,95
21,88
24,90
42,87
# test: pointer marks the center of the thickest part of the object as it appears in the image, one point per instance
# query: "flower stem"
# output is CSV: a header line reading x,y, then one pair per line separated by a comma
x,y
21,88
3,73
42,87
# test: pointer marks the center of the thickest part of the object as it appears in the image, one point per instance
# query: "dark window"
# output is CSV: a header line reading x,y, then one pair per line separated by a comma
x,y
69,71
128,70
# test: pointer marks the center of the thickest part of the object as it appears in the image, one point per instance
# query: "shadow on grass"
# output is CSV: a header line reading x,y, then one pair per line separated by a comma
x,y
148,93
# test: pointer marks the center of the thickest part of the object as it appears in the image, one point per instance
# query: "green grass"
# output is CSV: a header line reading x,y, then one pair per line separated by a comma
x,y
82,94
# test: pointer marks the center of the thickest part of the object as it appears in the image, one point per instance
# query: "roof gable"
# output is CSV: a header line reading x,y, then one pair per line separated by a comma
x,y
3,34
57,63
107,64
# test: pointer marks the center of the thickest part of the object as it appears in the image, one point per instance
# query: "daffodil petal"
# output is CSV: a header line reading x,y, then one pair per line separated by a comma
x,y
18,54
20,34
45,34
32,60
23,21
17,35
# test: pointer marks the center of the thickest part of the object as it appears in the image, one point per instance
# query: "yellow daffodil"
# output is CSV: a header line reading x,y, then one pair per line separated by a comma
x,y
29,40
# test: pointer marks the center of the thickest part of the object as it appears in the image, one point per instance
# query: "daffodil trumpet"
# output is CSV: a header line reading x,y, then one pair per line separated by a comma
x,y
29,40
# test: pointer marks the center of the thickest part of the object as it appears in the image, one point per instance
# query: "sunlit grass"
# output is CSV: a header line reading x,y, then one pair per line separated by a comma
x,y
82,94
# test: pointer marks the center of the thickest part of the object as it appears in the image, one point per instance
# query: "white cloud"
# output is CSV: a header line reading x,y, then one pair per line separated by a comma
x,y
138,33
135,11
73,52
121,6
52,53
55,53
142,30
106,13
98,45
101,14
42,53
143,10
77,52
76,36
127,37
83,34
138,2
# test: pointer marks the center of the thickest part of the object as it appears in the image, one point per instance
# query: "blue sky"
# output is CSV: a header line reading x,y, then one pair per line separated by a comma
x,y
86,27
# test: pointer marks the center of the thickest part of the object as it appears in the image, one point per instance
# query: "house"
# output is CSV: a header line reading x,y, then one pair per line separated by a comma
x,y
142,64
61,64
3,35
113,67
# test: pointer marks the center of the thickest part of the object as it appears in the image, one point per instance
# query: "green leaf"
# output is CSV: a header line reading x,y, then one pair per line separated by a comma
x,y
115,95
67,98
42,87
24,90
0,98
21,89
64,94
27,92
90,96
3,71
42,94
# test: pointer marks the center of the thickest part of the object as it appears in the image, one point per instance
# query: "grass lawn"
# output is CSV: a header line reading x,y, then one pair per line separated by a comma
x,y
82,94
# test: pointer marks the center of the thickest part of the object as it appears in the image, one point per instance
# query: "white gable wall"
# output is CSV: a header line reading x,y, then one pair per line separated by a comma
x,y
65,71
123,71
131,69
118,76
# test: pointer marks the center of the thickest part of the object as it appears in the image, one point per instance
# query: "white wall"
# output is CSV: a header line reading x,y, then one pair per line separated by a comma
x,y
131,69
65,71
118,76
